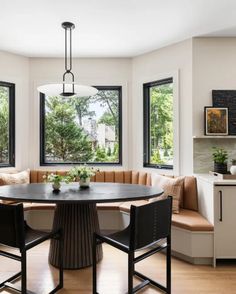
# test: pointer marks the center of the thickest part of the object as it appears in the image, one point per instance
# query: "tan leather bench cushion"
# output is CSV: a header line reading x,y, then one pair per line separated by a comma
x,y
109,206
191,220
190,197
186,219
38,206
125,206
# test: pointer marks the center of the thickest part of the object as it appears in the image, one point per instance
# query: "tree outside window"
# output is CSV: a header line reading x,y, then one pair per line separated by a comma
x,y
82,130
158,124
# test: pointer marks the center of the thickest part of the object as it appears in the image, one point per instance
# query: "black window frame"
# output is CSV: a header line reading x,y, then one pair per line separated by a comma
x,y
11,106
42,133
146,124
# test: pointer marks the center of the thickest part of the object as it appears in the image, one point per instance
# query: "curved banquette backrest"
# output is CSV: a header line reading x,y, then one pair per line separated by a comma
x,y
190,197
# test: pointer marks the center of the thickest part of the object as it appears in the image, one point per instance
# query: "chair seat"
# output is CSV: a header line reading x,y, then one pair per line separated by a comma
x,y
121,238
34,236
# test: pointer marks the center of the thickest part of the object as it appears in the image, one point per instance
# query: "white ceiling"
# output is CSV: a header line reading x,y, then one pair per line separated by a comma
x,y
109,28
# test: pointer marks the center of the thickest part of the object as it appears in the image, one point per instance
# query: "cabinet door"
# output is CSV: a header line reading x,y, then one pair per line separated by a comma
x,y
225,221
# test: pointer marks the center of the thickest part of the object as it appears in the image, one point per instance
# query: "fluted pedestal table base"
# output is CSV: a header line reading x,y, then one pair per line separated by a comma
x,y
79,222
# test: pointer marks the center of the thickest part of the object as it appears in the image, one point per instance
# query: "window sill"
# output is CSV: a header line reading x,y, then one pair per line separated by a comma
x,y
158,166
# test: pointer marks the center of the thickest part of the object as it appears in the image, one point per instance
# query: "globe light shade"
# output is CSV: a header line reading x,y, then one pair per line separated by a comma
x,y
57,90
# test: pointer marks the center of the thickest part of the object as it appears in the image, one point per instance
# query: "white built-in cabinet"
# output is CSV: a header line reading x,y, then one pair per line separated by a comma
x,y
217,202
225,221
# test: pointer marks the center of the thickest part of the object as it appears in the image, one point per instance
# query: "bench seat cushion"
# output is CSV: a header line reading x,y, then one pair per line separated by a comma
x,y
186,219
38,206
125,206
191,220
109,206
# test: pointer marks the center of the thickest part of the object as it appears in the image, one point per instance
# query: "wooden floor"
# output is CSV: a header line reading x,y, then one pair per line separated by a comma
x,y
186,278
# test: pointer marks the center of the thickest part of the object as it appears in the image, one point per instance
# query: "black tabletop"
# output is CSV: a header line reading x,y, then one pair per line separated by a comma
x,y
71,193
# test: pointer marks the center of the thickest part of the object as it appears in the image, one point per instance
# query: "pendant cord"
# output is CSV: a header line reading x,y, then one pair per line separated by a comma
x,y
68,58
70,49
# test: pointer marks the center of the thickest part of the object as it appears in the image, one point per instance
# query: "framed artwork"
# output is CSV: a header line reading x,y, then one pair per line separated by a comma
x,y
216,121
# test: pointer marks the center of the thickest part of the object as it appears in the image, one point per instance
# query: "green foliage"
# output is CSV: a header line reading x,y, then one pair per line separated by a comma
x,y
101,155
82,172
82,105
219,155
65,139
56,179
108,98
161,123
156,158
4,124
68,139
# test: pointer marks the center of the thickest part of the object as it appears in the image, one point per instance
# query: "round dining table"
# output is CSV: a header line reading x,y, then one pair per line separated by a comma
x,y
76,213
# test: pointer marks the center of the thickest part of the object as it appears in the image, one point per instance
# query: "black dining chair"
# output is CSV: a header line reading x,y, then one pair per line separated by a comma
x,y
14,232
149,228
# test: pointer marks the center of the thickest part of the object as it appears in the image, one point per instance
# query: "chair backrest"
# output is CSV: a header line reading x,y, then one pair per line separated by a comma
x,y
12,225
150,223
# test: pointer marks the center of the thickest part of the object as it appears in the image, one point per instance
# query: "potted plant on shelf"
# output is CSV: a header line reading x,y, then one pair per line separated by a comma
x,y
56,180
83,174
220,157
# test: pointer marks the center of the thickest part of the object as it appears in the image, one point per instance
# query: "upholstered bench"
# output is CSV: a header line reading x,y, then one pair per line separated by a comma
x,y
192,234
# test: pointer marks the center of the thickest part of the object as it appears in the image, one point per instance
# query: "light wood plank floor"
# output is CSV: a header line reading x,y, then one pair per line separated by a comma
x,y
186,278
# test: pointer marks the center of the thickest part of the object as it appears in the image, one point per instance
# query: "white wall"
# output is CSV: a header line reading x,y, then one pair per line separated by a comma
x,y
129,73
214,68
172,60
15,69
201,64
98,72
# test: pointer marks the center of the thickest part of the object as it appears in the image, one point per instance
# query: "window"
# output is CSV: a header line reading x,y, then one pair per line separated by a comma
x,y
158,124
7,124
82,130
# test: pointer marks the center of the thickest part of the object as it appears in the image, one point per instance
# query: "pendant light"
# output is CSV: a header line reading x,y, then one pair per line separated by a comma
x,y
68,89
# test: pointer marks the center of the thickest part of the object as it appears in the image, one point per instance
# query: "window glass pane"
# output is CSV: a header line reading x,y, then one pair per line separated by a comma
x,y
7,124
161,124
83,129
4,125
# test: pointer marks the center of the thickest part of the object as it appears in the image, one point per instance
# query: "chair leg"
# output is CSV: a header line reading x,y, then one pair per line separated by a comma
x,y
94,265
168,265
130,271
23,273
61,274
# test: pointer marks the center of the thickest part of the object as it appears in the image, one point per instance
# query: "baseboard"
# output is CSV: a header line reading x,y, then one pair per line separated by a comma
x,y
193,260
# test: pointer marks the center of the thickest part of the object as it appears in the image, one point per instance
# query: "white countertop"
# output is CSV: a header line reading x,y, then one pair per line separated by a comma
x,y
214,181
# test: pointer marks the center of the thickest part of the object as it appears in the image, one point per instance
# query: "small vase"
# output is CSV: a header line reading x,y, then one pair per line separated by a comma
x,y
233,170
84,183
56,186
220,168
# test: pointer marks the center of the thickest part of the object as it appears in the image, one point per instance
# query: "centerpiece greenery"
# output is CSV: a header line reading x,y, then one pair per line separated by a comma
x,y
56,180
220,157
83,174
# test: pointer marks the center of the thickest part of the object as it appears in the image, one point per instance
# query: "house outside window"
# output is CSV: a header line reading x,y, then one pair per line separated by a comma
x,y
158,124
82,130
